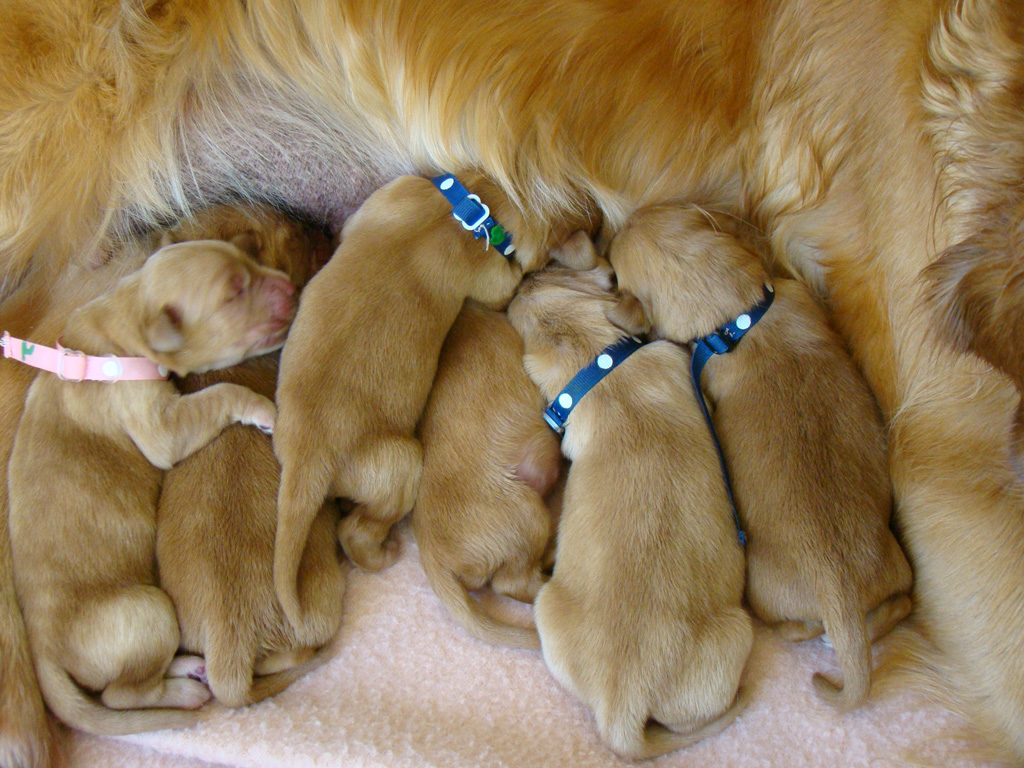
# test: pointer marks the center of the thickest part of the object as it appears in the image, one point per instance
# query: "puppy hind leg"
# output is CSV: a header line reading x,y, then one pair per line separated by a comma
x,y
386,476
125,646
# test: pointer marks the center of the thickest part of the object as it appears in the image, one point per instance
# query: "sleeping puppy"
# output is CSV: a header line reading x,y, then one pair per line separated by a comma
x,y
361,357
801,433
642,618
85,472
218,508
488,460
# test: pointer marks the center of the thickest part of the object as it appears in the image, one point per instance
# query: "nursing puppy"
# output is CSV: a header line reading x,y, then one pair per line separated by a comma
x,y
801,433
861,141
85,472
361,358
488,460
642,618
218,507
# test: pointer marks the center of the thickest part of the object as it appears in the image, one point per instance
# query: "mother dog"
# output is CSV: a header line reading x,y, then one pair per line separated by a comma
x,y
879,145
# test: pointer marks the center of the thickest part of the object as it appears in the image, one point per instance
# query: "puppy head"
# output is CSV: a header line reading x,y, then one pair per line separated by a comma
x,y
204,305
565,317
270,237
690,277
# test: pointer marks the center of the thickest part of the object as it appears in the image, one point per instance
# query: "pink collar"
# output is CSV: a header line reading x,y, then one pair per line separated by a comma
x,y
72,365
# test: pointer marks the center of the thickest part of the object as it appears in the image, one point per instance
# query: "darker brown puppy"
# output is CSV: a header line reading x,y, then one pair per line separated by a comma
x,y
802,436
488,460
217,514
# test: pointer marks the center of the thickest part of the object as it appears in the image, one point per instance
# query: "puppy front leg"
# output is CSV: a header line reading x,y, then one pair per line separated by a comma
x,y
186,423
386,478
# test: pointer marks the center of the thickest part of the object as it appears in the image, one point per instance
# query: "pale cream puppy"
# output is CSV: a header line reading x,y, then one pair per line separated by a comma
x,y
642,618
217,514
86,468
488,460
801,432
361,358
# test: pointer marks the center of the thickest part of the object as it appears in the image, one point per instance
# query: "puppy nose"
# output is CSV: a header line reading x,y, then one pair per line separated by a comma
x,y
282,296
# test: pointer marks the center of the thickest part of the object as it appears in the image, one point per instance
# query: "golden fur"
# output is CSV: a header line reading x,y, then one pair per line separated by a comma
x,y
488,460
799,429
217,513
642,618
862,137
85,472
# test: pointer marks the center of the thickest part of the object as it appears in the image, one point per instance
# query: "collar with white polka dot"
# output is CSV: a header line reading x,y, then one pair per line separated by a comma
x,y
609,358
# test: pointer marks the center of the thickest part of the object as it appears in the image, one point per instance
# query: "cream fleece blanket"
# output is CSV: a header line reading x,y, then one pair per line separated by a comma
x,y
408,688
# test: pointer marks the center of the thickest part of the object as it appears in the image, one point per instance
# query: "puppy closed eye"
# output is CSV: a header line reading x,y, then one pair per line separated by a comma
x,y
238,285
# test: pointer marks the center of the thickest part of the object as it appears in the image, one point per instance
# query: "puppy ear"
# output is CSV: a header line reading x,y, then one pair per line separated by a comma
x,y
577,252
248,243
163,333
628,314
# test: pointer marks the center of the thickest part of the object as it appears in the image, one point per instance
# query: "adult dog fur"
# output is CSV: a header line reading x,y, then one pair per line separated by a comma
x,y
488,460
859,136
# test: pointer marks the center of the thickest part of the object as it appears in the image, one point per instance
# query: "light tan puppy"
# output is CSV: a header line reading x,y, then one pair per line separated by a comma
x,y
488,460
801,433
642,618
218,508
85,472
361,358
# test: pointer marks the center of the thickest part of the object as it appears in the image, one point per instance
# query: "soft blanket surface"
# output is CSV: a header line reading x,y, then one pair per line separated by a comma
x,y
408,688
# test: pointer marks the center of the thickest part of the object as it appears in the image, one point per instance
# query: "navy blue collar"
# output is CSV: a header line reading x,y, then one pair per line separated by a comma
x,y
474,215
609,358
719,342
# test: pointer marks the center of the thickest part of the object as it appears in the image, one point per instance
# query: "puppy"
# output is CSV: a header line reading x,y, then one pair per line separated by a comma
x,y
488,460
642,618
218,508
801,433
85,472
360,360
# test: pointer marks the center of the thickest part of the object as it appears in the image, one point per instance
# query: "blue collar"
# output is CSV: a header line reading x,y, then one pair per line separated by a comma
x,y
474,215
720,342
609,358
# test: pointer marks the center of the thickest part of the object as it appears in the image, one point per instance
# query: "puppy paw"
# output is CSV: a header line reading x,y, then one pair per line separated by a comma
x,y
365,544
192,667
185,693
262,414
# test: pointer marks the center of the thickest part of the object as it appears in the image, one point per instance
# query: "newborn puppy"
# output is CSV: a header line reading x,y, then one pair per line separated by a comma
x,y
218,508
642,618
801,433
361,357
86,468
488,460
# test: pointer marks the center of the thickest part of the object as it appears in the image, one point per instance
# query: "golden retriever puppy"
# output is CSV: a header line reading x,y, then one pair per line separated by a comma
x,y
361,358
86,467
800,431
642,619
216,523
861,138
218,507
488,461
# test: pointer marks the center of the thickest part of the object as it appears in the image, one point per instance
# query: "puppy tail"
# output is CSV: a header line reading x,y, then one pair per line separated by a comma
x,y
471,615
75,708
265,686
847,629
632,737
299,499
